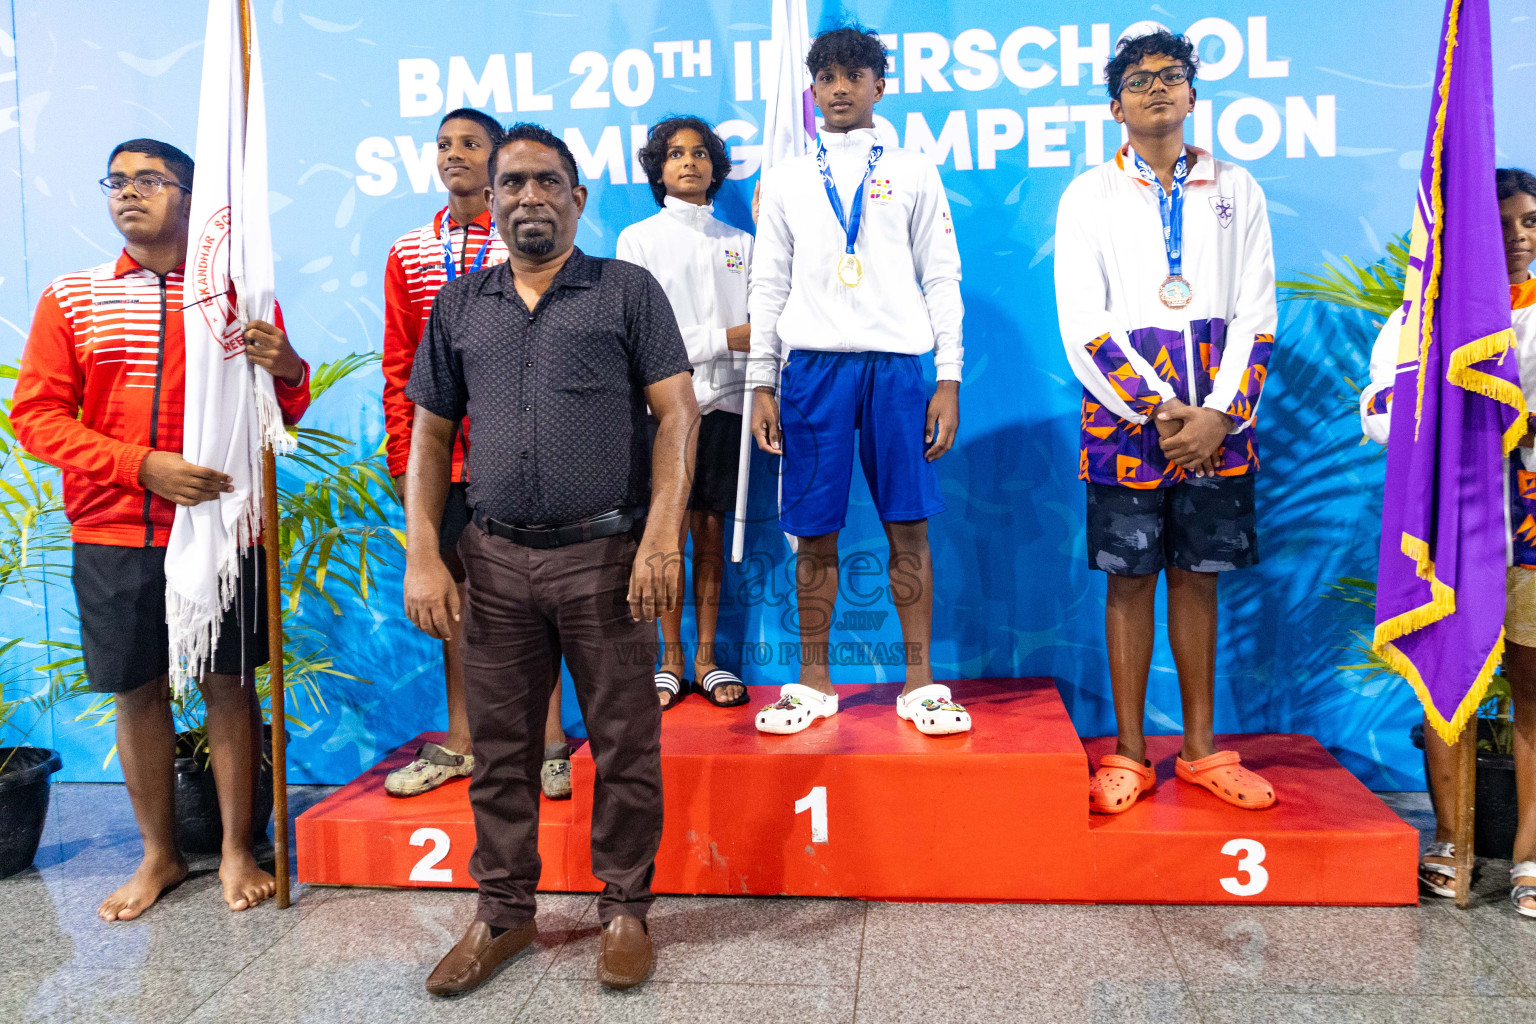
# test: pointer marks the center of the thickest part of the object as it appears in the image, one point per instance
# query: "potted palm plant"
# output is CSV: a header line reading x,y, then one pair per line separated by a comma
x,y
334,536
31,536
25,771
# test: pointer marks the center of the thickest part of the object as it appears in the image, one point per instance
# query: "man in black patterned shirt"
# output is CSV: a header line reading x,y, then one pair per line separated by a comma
x,y
554,356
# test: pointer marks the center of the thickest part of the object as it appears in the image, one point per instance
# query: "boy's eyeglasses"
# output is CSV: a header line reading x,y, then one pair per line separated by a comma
x,y
145,185
1141,81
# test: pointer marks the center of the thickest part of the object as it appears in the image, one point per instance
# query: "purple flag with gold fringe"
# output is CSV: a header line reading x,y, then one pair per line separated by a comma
x,y
1457,409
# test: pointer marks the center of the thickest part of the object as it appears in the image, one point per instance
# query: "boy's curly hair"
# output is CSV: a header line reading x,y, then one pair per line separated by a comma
x,y
653,155
1160,43
852,47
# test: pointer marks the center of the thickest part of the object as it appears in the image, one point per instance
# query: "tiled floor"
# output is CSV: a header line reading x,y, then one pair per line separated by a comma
x,y
361,955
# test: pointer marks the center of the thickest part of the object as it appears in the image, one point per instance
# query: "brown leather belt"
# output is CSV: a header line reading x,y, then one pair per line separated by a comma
x,y
606,524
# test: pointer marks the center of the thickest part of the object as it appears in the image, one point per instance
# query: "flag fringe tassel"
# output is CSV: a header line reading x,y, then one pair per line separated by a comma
x,y
194,624
1431,277
1442,603
1461,373
1450,729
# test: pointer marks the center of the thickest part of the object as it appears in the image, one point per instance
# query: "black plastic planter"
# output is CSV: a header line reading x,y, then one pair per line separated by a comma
x,y
199,829
23,804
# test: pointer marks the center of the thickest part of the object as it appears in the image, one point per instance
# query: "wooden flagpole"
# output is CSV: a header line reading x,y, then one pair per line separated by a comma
x,y
1466,799
271,542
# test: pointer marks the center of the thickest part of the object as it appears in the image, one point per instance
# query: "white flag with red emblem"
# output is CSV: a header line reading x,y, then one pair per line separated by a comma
x,y
231,409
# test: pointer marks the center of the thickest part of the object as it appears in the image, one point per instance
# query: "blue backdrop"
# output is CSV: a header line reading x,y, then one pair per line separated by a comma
x,y
1325,103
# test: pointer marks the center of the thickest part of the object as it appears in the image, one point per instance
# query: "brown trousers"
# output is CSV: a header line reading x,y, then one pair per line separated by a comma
x,y
526,608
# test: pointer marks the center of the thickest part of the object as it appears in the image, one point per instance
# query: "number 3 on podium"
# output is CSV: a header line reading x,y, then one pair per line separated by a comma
x,y
816,802
1250,861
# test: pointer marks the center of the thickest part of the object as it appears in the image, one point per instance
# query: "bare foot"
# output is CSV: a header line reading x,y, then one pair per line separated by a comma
x,y
245,883
153,877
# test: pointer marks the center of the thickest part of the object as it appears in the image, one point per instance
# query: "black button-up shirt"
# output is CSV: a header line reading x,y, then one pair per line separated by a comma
x,y
556,396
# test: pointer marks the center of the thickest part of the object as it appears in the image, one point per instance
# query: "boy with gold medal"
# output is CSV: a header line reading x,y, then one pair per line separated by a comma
x,y
856,276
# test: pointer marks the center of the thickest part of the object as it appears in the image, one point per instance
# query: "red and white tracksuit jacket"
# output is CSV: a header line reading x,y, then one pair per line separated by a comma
x,y
416,269
102,384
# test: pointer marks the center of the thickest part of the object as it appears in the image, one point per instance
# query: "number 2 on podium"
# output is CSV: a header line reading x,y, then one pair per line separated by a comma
x,y
816,802
426,869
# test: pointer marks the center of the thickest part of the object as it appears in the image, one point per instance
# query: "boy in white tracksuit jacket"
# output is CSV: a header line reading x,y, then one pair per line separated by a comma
x,y
856,276
702,264
1165,290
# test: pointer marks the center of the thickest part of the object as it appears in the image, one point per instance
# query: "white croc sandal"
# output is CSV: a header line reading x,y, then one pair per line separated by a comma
x,y
1526,868
932,711
797,707
1428,871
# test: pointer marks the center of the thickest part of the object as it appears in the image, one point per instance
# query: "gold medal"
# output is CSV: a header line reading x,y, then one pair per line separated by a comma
x,y
850,271
1175,292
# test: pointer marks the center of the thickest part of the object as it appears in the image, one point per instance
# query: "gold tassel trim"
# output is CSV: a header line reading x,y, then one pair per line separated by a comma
x,y
1441,604
1448,729
1432,273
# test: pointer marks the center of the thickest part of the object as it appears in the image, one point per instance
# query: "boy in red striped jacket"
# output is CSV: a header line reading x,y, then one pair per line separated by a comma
x,y
460,239
101,395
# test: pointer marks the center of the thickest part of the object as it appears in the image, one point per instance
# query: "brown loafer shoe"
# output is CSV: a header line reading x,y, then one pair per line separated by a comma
x,y
471,963
624,953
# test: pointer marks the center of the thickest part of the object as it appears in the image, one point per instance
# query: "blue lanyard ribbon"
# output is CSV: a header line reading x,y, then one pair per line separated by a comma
x,y
849,224
446,233
1171,207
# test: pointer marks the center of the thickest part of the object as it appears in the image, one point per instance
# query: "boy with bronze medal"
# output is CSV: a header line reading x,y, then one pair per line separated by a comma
x,y
856,276
1165,290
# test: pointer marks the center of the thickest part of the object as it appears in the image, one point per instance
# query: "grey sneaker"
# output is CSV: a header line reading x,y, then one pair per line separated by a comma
x,y
555,775
434,765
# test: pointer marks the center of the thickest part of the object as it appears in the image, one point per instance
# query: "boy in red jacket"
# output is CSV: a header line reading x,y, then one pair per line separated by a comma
x,y
100,395
460,239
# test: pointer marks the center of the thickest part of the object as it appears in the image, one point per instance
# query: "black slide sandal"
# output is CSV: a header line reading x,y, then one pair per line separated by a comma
x,y
677,686
720,677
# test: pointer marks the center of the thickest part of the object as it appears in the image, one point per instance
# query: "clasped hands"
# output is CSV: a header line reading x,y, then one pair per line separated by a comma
x,y
173,477
1191,436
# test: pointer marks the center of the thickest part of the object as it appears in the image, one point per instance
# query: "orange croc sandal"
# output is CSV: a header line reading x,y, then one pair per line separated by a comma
x,y
1118,784
1223,774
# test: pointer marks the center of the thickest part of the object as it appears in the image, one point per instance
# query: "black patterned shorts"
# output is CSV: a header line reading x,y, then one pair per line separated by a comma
x,y
1205,524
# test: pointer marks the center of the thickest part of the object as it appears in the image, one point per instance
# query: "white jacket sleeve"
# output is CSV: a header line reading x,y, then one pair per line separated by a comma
x,y
702,343
628,248
1250,337
1096,342
1376,399
772,261
936,258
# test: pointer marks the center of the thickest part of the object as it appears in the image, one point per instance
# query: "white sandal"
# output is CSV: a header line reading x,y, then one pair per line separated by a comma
x,y
932,711
1427,870
1526,869
797,707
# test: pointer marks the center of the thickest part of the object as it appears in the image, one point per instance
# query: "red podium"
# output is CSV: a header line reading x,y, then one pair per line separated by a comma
x,y
863,805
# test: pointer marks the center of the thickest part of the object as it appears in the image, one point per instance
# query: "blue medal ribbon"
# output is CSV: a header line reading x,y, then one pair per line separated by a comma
x,y
849,224
446,234
1171,207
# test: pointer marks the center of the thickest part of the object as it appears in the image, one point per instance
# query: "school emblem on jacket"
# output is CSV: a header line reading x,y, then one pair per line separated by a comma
x,y
733,261
880,190
1224,208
